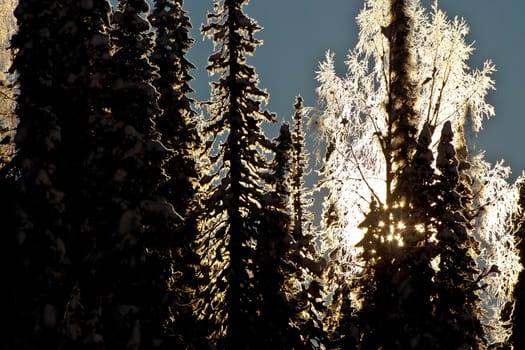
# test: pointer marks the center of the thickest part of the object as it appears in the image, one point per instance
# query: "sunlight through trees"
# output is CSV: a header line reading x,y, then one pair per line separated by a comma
x,y
136,217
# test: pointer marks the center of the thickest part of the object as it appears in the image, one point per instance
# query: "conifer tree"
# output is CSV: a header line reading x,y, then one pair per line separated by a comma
x,y
54,63
274,242
131,221
302,217
236,148
177,120
518,315
306,292
381,125
178,125
290,286
400,263
457,304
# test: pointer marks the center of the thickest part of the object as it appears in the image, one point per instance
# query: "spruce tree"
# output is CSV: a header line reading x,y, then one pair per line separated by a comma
x,y
291,290
273,245
178,125
301,197
395,253
457,305
177,121
304,284
54,63
236,150
518,315
399,259
127,299
83,103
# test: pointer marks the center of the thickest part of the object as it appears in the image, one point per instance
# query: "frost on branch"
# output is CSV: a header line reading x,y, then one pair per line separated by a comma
x,y
495,200
354,119
358,169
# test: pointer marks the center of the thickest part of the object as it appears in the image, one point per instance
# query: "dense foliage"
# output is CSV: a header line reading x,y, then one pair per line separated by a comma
x,y
132,221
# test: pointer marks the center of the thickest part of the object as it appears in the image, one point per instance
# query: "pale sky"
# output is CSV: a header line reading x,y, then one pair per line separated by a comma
x,y
297,34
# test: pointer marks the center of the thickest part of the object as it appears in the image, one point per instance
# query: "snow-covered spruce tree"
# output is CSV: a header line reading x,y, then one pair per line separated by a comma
x,y
362,181
132,222
516,311
395,284
273,245
301,197
177,123
54,64
304,284
291,293
82,102
237,150
38,293
456,304
177,120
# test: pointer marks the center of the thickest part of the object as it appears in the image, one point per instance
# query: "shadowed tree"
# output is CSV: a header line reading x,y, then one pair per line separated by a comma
x,y
178,125
236,148
457,304
127,299
58,48
397,309
274,324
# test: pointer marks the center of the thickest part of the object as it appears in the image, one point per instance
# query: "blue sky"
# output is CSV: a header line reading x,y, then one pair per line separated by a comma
x,y
297,34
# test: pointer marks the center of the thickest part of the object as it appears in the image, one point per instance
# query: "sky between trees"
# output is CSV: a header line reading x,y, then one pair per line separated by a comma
x,y
297,34
413,226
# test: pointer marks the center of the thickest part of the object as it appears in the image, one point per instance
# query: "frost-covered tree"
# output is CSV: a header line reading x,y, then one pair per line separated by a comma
x,y
494,202
236,150
517,306
304,283
301,196
406,78
178,125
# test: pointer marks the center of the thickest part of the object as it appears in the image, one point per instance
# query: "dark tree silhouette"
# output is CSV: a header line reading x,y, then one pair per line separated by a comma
x,y
236,190
178,120
457,306
396,304
178,126
56,65
127,291
303,278
274,324
397,309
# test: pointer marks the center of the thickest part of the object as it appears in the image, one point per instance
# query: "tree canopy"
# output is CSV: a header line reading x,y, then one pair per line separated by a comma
x,y
137,217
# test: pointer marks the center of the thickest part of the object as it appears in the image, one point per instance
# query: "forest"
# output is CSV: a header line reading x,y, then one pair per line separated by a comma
x,y
135,217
